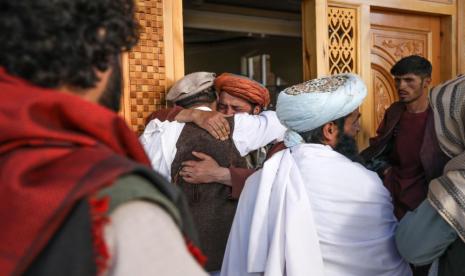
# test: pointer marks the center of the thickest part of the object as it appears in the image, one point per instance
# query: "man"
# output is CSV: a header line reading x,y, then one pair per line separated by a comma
x,y
194,91
434,232
352,123
237,94
405,151
310,210
170,144
77,194
348,145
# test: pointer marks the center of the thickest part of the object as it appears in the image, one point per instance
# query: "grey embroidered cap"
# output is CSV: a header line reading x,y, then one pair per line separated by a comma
x,y
190,85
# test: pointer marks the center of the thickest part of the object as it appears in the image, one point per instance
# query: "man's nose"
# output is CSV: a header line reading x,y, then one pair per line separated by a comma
x,y
401,84
229,111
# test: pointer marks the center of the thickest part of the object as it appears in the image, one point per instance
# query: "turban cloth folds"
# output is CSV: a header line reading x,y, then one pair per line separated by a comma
x,y
244,88
309,105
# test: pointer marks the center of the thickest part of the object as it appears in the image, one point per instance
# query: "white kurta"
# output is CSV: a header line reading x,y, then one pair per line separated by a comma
x,y
250,133
311,211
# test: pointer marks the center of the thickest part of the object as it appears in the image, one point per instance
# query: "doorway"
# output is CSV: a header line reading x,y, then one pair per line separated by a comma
x,y
394,36
261,40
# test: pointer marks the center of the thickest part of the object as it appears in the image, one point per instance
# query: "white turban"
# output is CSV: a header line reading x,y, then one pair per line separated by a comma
x,y
311,104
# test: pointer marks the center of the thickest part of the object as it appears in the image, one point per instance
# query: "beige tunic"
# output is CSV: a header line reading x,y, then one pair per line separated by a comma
x,y
144,240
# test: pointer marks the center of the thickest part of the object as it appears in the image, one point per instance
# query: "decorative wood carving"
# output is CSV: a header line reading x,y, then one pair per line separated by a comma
x,y
342,29
404,48
393,44
384,92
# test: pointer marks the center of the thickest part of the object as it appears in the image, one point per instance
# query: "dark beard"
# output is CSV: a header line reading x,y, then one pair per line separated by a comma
x,y
347,146
111,97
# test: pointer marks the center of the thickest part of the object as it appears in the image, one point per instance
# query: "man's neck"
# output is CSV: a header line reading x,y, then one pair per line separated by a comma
x,y
418,106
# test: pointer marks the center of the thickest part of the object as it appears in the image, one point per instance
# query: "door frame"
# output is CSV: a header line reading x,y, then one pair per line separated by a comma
x,y
315,40
159,53
316,51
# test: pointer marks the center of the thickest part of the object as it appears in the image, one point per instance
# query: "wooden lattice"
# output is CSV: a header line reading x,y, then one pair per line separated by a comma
x,y
342,28
146,65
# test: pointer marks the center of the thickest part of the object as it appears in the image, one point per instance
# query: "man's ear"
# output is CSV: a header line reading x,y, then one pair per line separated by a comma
x,y
256,110
330,134
426,82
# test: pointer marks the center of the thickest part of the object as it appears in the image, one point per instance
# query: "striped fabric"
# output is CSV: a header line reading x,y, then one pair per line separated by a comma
x,y
447,193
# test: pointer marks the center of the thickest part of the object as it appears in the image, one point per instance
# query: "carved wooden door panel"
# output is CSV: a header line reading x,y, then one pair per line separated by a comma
x,y
393,36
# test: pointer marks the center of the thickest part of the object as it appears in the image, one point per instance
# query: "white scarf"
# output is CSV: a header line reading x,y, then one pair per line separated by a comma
x,y
279,241
311,211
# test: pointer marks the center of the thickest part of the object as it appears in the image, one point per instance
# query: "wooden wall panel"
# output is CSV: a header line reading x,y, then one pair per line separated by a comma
x,y
461,36
440,1
367,107
384,89
144,66
314,38
173,41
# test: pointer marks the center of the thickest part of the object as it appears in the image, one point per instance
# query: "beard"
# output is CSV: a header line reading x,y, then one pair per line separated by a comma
x,y
111,97
347,146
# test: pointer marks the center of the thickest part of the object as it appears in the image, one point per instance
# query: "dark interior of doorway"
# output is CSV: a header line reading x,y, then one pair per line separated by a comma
x,y
219,51
238,52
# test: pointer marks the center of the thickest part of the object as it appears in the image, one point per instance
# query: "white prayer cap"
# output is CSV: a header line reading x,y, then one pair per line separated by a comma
x,y
190,85
311,104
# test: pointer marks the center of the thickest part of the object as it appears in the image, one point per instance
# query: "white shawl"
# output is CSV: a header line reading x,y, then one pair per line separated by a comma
x,y
311,211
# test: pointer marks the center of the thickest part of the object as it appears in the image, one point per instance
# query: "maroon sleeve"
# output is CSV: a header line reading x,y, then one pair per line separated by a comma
x,y
380,132
166,114
274,149
238,178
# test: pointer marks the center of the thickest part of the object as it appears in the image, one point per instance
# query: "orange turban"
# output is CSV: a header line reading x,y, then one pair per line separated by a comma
x,y
244,88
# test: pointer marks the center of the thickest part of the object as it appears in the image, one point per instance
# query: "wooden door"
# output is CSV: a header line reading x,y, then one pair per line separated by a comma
x,y
393,36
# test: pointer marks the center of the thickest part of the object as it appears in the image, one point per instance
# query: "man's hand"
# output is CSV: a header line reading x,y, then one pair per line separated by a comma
x,y
206,170
212,121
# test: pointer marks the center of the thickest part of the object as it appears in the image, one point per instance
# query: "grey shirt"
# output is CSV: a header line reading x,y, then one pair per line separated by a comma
x,y
423,235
